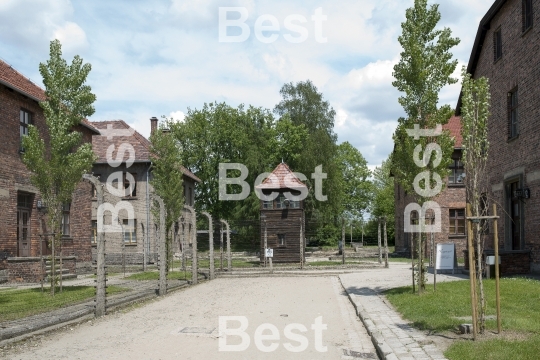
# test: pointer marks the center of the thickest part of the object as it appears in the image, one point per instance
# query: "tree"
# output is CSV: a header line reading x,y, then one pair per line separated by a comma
x,y
219,133
424,68
356,188
475,102
303,105
57,167
383,203
167,181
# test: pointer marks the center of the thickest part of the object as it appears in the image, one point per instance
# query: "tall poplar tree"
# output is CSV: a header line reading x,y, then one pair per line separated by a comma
x,y
474,119
58,166
425,67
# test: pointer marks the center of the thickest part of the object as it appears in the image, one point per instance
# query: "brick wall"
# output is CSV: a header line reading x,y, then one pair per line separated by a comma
x,y
15,178
518,158
452,197
512,262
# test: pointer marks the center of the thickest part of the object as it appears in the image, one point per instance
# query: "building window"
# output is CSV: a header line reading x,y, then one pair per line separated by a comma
x,y
281,239
93,239
130,184
497,44
457,222
268,204
190,197
456,172
414,217
94,190
283,203
66,219
526,14
513,114
25,119
130,231
515,215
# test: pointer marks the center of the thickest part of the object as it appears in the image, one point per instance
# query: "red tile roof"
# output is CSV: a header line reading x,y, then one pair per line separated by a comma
x,y
142,146
18,82
454,125
284,179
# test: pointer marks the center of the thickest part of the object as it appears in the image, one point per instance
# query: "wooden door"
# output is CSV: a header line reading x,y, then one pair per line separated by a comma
x,y
23,232
515,215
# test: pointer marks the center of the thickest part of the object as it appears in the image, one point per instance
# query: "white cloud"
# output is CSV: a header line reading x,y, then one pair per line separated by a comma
x,y
154,60
72,37
177,116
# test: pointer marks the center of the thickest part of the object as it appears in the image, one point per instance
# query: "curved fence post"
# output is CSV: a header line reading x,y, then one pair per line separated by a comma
x,y
101,279
194,244
162,260
211,243
229,264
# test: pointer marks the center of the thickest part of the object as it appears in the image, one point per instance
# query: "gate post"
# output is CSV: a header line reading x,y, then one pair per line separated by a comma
x,y
211,244
100,307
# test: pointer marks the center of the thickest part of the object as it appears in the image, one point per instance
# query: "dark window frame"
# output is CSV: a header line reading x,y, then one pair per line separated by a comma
x,y
281,240
66,220
497,44
131,236
25,119
127,184
457,217
456,169
526,15
513,113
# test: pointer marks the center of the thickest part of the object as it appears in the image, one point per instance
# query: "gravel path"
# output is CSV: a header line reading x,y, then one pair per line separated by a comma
x,y
185,324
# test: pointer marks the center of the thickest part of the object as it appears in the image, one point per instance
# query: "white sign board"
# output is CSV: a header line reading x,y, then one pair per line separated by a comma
x,y
446,257
269,253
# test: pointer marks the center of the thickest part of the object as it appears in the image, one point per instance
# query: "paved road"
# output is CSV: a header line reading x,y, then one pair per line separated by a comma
x,y
185,324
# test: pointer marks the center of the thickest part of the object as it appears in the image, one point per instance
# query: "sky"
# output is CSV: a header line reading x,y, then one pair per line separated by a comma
x,y
163,57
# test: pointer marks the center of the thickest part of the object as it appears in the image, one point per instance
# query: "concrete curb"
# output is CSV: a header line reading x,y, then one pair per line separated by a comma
x,y
389,345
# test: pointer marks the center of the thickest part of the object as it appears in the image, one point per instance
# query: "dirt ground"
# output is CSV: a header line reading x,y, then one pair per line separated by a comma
x,y
185,324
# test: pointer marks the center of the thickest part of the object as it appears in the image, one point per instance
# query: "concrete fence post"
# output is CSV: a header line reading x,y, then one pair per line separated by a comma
x,y
100,307
194,272
162,257
229,260
211,243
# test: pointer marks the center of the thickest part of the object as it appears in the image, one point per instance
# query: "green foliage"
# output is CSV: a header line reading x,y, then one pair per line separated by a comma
x,y
356,188
167,181
305,106
328,235
56,158
383,203
425,67
219,133
475,103
475,112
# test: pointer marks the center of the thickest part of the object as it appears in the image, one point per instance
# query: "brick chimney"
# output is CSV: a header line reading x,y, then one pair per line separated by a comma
x,y
153,124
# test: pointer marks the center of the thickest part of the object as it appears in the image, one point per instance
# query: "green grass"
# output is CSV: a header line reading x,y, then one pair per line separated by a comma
x,y
16,304
154,275
520,313
205,263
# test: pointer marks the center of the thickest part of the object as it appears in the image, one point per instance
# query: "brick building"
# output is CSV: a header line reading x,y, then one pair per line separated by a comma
x,y
451,201
20,243
133,171
507,52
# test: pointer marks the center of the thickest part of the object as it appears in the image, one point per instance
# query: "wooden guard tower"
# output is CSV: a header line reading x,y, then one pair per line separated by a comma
x,y
283,217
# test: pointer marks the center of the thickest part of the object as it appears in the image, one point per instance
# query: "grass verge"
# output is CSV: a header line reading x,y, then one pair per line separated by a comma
x,y
440,311
16,304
